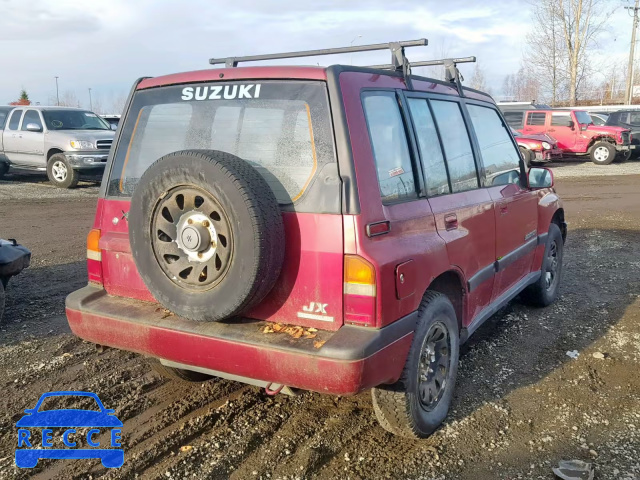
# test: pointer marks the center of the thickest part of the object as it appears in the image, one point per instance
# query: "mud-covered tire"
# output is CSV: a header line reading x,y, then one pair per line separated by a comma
x,y
541,293
2,297
60,172
398,407
4,168
178,374
250,212
602,153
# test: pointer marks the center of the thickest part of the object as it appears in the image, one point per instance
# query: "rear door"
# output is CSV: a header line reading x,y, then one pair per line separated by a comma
x,y
12,137
464,212
516,207
535,123
32,143
561,128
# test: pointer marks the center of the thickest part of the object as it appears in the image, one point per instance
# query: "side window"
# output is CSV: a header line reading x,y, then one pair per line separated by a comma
x,y
389,143
634,118
14,121
430,150
499,155
31,116
536,118
457,146
560,119
514,119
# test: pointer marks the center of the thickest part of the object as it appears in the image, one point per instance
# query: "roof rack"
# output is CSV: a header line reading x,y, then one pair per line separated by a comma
x,y
398,59
395,47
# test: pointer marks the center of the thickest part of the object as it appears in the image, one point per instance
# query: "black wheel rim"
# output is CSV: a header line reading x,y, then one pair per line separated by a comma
x,y
551,268
191,238
435,363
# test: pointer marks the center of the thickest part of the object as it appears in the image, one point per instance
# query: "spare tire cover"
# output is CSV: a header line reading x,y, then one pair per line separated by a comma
x,y
206,234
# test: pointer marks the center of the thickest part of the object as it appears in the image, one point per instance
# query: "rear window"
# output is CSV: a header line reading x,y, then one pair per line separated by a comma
x,y
281,128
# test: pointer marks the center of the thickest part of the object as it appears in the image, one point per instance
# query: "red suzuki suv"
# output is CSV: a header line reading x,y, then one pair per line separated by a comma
x,y
329,229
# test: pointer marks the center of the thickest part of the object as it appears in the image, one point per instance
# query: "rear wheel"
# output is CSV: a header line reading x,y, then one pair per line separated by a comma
x,y
602,153
545,291
60,172
178,373
4,168
418,403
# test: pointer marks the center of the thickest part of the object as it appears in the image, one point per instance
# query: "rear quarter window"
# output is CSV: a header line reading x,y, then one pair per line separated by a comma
x,y
285,133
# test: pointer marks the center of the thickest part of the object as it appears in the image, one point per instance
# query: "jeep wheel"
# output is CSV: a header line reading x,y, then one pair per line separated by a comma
x,y
526,156
206,234
545,291
418,403
602,153
4,168
60,172
178,373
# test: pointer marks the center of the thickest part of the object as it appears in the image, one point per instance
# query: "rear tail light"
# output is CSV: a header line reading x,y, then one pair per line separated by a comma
x,y
94,256
359,291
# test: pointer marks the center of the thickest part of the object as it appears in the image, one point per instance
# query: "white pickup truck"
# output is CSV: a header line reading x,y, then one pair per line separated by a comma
x,y
62,141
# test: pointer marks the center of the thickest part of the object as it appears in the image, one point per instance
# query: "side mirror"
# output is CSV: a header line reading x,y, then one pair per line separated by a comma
x,y
571,124
540,178
113,126
583,127
34,127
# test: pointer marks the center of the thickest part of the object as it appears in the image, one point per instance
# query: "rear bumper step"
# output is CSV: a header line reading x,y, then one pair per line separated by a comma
x,y
350,360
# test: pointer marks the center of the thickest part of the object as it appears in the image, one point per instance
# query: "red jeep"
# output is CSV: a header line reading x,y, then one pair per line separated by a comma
x,y
330,229
577,135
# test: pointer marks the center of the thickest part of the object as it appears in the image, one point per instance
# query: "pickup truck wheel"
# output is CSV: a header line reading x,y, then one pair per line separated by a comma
x,y
545,291
1,300
602,153
4,168
526,156
60,172
206,233
178,373
418,403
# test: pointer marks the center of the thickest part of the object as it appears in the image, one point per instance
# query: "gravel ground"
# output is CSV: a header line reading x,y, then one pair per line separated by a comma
x,y
581,168
521,403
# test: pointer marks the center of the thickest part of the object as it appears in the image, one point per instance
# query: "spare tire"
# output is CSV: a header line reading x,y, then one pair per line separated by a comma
x,y
206,234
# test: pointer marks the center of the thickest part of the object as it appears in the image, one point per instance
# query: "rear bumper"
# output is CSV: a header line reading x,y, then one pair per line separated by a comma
x,y
351,359
625,148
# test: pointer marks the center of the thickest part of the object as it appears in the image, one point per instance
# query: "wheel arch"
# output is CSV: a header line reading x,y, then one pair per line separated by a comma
x,y
600,138
52,151
451,284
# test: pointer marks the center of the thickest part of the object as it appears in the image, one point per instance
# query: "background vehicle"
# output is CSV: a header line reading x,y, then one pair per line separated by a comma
x,y
13,259
537,148
4,112
599,118
386,272
112,120
577,135
62,141
514,112
627,119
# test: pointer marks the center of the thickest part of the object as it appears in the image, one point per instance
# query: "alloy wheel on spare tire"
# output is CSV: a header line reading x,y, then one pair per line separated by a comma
x,y
602,153
206,234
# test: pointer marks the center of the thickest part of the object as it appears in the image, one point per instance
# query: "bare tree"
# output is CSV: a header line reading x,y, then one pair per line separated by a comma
x,y
546,48
478,80
522,86
581,22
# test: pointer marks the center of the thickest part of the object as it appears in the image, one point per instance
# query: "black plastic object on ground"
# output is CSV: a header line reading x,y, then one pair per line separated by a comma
x,y
13,259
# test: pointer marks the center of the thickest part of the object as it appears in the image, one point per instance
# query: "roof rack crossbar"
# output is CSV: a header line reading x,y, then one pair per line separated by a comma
x,y
393,46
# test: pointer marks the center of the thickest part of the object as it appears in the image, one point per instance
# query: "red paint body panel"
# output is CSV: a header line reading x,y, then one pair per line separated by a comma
x,y
312,271
309,372
252,73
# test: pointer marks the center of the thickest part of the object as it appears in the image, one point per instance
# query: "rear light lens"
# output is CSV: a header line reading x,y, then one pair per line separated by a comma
x,y
359,291
94,256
